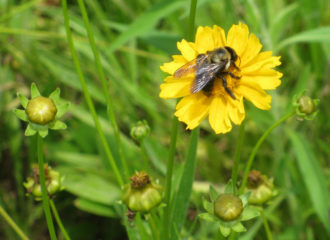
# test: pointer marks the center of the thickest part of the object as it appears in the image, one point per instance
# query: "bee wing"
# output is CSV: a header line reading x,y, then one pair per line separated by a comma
x,y
205,74
190,67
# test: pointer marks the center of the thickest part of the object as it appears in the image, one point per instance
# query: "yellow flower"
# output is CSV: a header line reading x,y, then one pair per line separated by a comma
x,y
254,69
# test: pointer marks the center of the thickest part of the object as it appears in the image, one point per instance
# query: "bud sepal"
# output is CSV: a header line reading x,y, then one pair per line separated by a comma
x,y
41,113
228,210
140,130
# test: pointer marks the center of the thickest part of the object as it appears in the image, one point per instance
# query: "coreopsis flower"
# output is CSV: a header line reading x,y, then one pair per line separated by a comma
x,y
42,113
241,72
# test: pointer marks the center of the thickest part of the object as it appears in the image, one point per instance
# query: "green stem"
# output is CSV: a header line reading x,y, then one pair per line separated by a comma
x,y
169,172
58,220
145,156
266,225
87,95
257,146
109,102
45,200
153,226
237,156
191,24
13,225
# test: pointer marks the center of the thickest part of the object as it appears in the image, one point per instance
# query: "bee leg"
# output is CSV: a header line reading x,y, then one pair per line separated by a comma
x,y
232,75
224,83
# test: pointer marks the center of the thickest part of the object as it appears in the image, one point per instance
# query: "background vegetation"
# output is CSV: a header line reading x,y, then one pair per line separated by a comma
x,y
134,39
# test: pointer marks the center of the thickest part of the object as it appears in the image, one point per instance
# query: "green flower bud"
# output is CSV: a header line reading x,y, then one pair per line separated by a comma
x,y
261,188
41,110
53,182
140,130
306,105
228,207
141,195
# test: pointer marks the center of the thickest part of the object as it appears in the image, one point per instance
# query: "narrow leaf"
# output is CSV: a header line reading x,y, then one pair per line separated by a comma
x,y
238,227
249,213
34,91
312,176
225,231
29,131
208,217
213,193
23,100
59,125
55,95
95,208
21,114
208,206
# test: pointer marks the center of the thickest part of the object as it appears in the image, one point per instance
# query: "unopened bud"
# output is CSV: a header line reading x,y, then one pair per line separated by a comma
x,y
228,207
140,130
306,105
41,110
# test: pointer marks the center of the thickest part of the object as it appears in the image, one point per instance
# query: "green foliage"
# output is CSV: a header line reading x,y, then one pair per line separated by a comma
x,y
134,38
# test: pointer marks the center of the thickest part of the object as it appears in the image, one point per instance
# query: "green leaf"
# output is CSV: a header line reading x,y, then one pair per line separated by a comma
x,y
95,208
181,200
312,175
43,133
58,125
34,91
62,109
321,34
146,22
249,213
208,217
93,187
213,193
208,206
21,114
225,231
23,100
245,198
238,227
29,131
55,95
229,187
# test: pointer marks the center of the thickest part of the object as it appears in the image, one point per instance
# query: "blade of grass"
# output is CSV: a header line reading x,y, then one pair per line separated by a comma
x,y
181,201
312,176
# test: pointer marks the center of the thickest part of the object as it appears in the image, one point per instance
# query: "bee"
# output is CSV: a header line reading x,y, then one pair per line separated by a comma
x,y
209,66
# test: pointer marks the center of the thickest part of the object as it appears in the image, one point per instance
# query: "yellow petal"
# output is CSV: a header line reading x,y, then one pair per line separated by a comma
x,y
268,81
193,109
262,62
171,67
204,40
219,37
238,38
251,51
187,50
219,119
236,110
255,94
175,88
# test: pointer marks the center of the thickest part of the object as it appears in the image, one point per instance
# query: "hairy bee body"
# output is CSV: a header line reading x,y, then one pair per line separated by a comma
x,y
213,64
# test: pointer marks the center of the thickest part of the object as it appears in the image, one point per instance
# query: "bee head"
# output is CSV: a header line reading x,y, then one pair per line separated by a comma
x,y
220,54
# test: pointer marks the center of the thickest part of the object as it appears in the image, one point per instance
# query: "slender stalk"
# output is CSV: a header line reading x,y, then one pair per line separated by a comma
x,y
58,220
266,225
45,200
87,95
168,181
145,156
109,102
170,161
154,227
13,225
237,156
257,146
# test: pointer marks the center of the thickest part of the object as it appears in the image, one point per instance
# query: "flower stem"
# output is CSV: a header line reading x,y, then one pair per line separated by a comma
x,y
168,181
266,225
237,156
13,225
191,24
58,220
87,95
109,102
145,156
45,200
257,146
153,226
